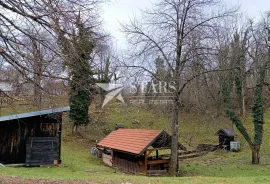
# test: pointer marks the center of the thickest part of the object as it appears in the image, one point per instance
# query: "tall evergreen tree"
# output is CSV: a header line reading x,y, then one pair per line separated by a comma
x,y
77,52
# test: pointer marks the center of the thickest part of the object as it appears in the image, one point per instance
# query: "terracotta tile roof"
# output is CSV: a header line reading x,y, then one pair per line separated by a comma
x,y
130,140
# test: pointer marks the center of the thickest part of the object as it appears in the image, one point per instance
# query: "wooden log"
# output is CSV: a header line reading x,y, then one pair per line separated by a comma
x,y
157,172
207,147
193,155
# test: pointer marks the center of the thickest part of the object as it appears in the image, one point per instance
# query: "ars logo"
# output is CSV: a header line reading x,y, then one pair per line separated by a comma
x,y
114,90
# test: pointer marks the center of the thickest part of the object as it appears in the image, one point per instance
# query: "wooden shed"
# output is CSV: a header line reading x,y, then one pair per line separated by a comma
x,y
31,139
225,136
137,150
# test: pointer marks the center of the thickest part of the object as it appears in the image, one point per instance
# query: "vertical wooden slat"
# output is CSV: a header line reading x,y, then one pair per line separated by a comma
x,y
129,166
145,162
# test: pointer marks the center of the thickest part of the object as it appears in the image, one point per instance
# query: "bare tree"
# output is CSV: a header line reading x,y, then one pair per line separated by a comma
x,y
17,16
178,31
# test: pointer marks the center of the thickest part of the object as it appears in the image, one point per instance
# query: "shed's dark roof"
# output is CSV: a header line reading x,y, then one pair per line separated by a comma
x,y
134,141
226,131
33,114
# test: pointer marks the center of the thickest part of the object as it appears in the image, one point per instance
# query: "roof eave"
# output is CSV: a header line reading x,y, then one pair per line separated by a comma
x,y
151,142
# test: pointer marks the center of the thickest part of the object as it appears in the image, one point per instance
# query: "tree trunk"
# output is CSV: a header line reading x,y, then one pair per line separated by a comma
x,y
75,129
255,153
243,108
38,67
219,109
101,98
37,94
174,153
99,102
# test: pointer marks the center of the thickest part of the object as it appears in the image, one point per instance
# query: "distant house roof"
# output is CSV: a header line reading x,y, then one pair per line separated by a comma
x,y
6,86
134,141
226,132
33,114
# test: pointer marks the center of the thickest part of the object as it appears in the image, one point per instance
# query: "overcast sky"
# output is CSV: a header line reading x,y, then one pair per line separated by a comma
x,y
122,10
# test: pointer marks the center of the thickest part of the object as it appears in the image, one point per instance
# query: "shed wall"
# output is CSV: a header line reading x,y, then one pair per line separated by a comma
x,y
129,166
127,162
14,134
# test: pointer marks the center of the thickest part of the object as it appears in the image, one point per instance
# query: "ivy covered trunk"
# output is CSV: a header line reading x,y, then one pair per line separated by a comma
x,y
77,49
258,117
255,153
79,106
257,112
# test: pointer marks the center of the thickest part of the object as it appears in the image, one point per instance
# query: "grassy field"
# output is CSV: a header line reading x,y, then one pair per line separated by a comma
x,y
216,167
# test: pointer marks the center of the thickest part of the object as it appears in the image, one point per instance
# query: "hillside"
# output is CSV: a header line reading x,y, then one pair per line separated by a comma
x,y
79,166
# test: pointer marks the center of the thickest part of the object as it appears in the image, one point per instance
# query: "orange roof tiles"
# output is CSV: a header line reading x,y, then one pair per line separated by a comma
x,y
130,140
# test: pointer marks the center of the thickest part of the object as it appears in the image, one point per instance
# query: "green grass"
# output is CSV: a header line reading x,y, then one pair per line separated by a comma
x,y
215,167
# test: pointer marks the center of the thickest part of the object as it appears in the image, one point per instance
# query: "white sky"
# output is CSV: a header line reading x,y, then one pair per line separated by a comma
x,y
121,10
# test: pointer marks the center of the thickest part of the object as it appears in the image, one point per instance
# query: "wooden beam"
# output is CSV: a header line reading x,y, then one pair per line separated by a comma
x,y
158,162
149,153
154,149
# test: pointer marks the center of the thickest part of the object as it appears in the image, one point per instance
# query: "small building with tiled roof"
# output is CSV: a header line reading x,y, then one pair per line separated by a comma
x,y
133,150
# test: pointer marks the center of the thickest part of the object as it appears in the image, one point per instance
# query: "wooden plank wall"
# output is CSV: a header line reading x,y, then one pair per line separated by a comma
x,y
14,134
129,166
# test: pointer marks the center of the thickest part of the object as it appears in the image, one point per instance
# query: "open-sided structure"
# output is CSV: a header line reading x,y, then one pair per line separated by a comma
x,y
31,139
225,136
137,150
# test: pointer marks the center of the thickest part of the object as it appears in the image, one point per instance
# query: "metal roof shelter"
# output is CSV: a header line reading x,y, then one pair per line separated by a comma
x,y
33,114
32,138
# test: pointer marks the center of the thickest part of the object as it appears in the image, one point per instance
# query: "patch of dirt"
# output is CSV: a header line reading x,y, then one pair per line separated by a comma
x,y
18,180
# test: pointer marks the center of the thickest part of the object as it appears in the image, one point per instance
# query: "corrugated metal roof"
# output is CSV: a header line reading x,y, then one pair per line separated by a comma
x,y
130,140
32,114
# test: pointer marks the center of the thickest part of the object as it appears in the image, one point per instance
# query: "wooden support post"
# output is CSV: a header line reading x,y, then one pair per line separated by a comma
x,y
112,158
145,163
146,155
157,154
